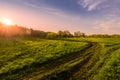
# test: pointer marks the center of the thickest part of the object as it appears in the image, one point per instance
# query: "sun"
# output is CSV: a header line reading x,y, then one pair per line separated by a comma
x,y
7,21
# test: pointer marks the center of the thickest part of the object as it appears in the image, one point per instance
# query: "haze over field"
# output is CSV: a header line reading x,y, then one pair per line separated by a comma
x,y
89,16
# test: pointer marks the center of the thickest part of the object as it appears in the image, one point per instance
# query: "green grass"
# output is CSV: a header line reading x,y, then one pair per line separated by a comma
x,y
25,52
63,59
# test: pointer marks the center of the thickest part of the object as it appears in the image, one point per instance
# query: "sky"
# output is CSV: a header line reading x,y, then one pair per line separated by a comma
x,y
88,16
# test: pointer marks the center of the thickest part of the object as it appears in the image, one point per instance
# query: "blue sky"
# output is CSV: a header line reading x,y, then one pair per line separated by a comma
x,y
89,16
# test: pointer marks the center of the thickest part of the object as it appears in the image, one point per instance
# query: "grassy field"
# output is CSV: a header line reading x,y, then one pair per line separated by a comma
x,y
62,59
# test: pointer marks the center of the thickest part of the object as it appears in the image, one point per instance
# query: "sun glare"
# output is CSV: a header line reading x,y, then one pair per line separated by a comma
x,y
7,21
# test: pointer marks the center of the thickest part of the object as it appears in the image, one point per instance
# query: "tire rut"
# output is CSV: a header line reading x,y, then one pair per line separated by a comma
x,y
49,66
76,68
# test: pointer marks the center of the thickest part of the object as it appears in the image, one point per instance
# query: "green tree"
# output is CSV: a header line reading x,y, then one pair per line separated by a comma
x,y
51,35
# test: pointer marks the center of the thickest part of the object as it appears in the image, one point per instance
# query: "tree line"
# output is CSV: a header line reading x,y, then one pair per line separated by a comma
x,y
51,35
19,31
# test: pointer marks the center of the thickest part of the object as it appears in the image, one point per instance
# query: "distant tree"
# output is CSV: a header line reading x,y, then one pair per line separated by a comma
x,y
83,34
51,35
115,35
61,34
67,33
79,34
12,31
31,30
38,33
100,35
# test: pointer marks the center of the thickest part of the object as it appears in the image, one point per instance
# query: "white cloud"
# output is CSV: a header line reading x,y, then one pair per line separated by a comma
x,y
91,4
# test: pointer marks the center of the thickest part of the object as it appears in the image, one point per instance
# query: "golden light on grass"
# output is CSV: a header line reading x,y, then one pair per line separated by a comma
x,y
7,21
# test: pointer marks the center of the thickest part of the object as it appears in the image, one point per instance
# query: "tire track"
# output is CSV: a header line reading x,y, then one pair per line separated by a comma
x,y
83,72
84,69
88,53
40,69
50,68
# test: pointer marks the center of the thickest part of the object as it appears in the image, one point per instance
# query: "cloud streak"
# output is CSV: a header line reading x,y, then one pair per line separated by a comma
x,y
91,4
